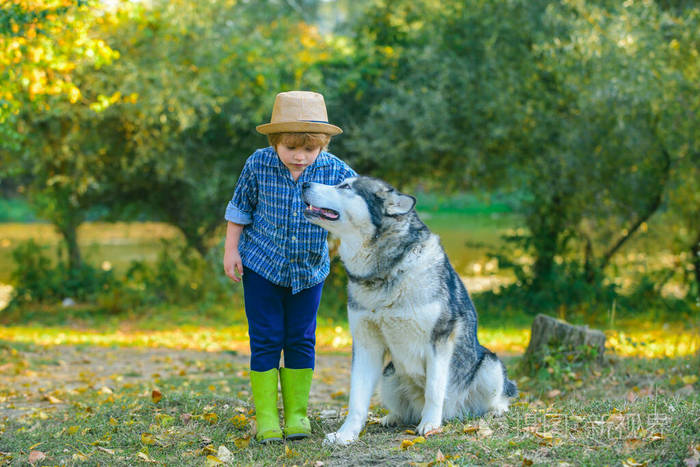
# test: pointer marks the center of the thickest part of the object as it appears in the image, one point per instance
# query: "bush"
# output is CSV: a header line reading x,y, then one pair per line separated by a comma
x,y
37,279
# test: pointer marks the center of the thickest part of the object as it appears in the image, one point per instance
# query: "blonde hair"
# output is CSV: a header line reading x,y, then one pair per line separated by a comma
x,y
316,140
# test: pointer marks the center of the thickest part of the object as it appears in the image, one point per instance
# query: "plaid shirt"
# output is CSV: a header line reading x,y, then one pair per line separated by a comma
x,y
278,242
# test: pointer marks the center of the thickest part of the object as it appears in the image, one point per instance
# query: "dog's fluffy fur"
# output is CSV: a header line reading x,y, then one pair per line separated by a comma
x,y
405,299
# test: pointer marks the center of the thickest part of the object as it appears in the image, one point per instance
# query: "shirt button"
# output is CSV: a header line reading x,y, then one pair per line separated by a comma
x,y
294,213
294,239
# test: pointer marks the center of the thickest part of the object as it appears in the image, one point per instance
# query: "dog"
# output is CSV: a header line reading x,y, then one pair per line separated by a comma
x,y
405,300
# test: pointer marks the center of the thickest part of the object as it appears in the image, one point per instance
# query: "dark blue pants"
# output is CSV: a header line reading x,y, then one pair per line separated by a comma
x,y
280,321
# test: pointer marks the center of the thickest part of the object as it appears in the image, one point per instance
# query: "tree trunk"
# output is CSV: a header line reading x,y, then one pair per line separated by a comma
x,y
70,236
551,336
695,252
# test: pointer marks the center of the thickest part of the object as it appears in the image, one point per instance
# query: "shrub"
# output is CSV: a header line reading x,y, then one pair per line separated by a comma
x,y
37,279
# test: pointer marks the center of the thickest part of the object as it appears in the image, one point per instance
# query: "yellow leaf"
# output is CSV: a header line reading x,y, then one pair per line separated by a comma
x,y
241,443
213,460
211,417
630,462
470,429
690,379
147,438
52,399
73,429
405,444
657,437
79,456
239,421
419,440
289,452
410,432
156,396
113,421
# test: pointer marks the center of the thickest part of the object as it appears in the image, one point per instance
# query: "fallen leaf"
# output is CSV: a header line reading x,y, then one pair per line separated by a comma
x,y
410,432
690,379
239,421
289,452
36,456
185,418
406,443
156,396
470,429
79,456
242,443
144,457
148,439
657,437
337,395
433,432
440,457
108,451
630,462
553,393
213,461
211,417
224,454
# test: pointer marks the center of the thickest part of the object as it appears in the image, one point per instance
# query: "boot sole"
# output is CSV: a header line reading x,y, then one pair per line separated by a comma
x,y
297,436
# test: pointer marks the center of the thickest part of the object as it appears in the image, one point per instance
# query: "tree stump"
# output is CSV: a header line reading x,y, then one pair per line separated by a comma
x,y
551,338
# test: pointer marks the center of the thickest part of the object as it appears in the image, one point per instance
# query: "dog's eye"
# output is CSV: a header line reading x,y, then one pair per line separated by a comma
x,y
344,186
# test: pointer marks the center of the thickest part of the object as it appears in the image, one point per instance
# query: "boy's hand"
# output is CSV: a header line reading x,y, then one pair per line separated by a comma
x,y
233,264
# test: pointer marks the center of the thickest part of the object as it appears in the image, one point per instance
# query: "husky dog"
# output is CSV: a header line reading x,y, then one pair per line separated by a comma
x,y
404,299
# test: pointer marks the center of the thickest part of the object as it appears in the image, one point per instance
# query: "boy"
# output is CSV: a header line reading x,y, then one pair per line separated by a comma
x,y
282,258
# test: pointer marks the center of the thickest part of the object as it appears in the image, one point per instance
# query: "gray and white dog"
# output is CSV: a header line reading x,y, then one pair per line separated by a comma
x,y
404,299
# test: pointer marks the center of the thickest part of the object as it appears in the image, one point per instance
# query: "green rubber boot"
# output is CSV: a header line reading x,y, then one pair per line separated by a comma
x,y
264,386
296,385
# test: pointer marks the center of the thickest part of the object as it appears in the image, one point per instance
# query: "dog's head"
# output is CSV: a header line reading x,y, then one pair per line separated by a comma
x,y
359,204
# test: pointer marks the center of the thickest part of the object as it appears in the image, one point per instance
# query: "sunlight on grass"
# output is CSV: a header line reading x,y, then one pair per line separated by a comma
x,y
650,344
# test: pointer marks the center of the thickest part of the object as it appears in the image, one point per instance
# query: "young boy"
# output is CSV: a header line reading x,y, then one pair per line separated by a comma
x,y
282,258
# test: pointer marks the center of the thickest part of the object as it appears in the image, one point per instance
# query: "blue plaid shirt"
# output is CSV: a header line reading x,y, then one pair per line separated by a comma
x,y
277,241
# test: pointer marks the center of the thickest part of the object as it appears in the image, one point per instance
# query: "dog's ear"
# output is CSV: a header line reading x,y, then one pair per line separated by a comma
x,y
398,203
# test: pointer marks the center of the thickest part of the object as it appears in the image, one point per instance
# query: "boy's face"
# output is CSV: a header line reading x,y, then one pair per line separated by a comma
x,y
297,158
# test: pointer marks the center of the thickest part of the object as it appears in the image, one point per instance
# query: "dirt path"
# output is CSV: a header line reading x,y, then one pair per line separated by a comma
x,y
38,377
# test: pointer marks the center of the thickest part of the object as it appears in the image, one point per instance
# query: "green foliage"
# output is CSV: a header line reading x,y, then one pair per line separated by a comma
x,y
38,280
559,364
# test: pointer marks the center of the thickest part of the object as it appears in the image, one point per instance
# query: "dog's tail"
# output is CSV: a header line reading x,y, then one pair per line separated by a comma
x,y
509,388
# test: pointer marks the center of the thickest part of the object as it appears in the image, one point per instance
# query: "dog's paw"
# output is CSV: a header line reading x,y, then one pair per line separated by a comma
x,y
427,426
339,438
390,419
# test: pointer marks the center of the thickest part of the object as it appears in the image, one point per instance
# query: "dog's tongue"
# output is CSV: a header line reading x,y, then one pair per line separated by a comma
x,y
329,213
326,212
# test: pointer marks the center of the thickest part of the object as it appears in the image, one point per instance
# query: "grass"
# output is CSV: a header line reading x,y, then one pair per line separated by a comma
x,y
77,383
633,412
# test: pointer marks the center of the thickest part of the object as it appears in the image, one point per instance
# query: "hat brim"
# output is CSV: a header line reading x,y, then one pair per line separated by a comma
x,y
298,127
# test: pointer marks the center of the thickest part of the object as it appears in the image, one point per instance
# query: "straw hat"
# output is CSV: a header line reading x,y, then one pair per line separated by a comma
x,y
299,112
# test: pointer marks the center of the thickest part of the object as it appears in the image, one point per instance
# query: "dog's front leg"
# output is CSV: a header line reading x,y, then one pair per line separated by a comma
x,y
436,381
367,360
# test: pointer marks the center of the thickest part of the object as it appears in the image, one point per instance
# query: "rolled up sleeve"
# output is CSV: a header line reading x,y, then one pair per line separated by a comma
x,y
245,198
